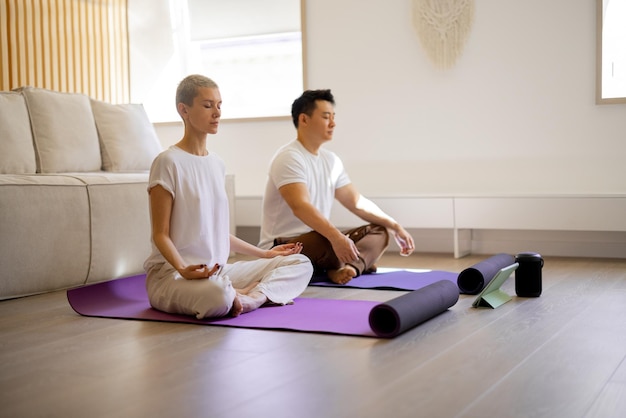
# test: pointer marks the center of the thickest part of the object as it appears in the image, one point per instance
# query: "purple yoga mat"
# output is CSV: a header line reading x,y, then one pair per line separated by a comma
x,y
392,279
127,299
473,279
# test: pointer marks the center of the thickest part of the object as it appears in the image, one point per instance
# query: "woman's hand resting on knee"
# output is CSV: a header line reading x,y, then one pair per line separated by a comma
x,y
198,271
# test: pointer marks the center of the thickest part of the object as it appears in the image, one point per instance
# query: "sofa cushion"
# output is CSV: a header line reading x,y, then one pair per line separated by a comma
x,y
66,139
17,155
45,234
127,138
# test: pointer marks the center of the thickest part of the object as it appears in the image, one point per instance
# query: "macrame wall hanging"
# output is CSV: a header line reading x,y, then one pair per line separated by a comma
x,y
443,27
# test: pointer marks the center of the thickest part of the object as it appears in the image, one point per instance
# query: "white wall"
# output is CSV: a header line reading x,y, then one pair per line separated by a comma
x,y
516,115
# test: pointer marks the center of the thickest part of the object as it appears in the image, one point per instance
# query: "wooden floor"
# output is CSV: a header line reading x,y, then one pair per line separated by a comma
x,y
560,355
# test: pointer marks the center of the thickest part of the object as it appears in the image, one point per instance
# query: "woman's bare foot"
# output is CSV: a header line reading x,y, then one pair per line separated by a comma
x,y
251,301
247,303
247,289
237,307
342,275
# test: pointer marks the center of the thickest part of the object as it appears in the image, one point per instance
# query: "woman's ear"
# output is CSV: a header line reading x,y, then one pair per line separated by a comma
x,y
182,109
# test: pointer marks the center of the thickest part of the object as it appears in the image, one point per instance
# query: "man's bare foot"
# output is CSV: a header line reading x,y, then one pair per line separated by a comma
x,y
342,275
373,269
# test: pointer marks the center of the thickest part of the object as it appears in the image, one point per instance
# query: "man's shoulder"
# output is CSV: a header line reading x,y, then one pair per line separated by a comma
x,y
292,146
327,152
288,152
329,155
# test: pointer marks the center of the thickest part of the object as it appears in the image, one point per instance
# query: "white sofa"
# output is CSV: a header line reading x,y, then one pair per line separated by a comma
x,y
73,199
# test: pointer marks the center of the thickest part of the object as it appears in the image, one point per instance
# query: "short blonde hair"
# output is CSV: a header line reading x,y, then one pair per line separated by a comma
x,y
188,88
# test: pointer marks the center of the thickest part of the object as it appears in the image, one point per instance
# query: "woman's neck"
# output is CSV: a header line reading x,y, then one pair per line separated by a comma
x,y
193,145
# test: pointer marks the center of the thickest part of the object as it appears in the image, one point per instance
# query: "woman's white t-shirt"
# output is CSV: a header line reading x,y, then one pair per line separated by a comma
x,y
199,226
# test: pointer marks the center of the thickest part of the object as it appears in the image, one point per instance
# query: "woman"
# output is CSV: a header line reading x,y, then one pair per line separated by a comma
x,y
187,271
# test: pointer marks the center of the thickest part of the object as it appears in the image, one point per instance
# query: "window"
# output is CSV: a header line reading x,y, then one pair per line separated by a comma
x,y
252,49
258,75
611,52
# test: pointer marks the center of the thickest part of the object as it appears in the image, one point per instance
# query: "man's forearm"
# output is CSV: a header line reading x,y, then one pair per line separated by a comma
x,y
310,216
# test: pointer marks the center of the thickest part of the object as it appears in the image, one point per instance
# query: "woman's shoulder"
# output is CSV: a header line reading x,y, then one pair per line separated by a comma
x,y
167,153
166,158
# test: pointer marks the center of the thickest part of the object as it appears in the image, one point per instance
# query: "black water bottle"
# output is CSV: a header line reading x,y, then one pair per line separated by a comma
x,y
528,274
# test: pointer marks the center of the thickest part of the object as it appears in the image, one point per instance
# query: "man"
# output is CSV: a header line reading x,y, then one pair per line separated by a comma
x,y
304,179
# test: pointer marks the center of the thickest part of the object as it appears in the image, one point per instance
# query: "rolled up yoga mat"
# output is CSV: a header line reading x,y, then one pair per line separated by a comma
x,y
473,279
392,318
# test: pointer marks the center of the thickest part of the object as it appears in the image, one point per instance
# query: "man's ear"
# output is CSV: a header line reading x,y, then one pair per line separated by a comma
x,y
303,119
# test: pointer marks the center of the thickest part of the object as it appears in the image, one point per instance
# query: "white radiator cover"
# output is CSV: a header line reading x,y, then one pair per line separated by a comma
x,y
563,225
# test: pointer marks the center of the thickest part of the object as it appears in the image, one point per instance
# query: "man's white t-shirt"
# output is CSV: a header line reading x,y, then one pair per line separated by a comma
x,y
322,174
199,225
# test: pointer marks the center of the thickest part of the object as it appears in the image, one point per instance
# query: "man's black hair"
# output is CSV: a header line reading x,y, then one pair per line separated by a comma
x,y
306,103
